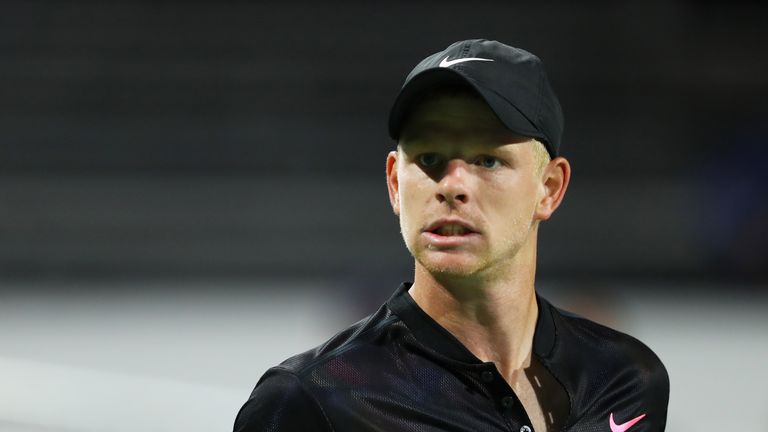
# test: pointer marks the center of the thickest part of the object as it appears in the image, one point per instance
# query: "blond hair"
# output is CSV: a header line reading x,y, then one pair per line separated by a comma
x,y
540,157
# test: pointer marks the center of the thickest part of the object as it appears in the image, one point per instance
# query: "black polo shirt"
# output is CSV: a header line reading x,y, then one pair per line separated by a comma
x,y
398,370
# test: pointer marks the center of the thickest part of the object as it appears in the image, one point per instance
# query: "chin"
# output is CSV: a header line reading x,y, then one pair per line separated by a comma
x,y
448,264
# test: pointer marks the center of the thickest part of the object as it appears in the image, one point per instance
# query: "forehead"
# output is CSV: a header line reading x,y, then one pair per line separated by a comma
x,y
455,116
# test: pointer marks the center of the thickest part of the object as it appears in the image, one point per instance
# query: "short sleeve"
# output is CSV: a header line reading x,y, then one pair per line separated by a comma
x,y
653,399
637,399
279,403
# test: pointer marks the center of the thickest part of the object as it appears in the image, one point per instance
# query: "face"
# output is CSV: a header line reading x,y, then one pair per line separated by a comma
x,y
456,161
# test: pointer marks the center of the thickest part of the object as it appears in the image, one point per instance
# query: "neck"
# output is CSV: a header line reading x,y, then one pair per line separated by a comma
x,y
494,317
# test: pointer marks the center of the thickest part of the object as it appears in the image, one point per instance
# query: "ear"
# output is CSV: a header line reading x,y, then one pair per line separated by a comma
x,y
392,182
554,182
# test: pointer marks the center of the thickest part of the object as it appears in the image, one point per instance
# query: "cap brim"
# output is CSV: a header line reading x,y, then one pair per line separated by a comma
x,y
433,78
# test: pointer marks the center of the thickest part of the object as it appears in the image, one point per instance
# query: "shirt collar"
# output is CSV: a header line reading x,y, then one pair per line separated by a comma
x,y
429,333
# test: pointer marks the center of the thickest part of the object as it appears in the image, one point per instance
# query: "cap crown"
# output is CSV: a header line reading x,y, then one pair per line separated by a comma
x,y
511,80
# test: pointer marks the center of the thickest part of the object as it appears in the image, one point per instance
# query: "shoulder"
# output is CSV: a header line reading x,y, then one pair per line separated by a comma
x,y
359,345
288,396
279,403
613,348
609,372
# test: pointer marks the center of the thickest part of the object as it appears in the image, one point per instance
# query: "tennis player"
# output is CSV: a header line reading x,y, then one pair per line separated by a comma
x,y
469,345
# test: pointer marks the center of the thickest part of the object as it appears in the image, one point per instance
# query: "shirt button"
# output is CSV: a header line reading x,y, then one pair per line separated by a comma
x,y
486,376
525,429
507,401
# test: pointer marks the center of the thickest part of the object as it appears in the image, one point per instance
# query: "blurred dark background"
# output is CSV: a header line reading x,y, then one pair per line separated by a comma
x,y
243,139
191,192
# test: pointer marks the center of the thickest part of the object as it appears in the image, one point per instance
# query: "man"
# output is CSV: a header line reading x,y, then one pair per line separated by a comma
x,y
469,345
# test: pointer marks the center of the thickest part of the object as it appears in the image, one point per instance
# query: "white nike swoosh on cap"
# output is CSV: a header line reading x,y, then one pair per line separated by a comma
x,y
446,62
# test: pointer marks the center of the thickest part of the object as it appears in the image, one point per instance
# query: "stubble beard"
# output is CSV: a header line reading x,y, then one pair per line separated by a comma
x,y
448,264
480,265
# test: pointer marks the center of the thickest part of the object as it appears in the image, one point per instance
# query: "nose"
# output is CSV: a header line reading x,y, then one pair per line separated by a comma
x,y
452,187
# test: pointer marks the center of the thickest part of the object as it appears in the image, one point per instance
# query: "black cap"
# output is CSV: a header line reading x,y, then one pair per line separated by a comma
x,y
511,80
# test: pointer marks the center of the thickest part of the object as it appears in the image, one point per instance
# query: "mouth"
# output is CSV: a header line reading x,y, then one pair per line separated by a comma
x,y
447,234
451,228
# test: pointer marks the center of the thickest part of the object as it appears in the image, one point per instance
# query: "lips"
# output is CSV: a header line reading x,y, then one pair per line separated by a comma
x,y
451,227
450,235
451,230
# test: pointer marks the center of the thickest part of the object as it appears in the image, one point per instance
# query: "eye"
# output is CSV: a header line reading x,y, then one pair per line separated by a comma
x,y
488,162
428,159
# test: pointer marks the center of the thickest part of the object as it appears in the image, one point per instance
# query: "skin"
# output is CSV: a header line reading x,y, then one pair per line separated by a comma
x,y
456,159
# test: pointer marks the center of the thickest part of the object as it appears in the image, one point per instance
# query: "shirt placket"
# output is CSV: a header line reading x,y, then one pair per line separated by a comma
x,y
504,399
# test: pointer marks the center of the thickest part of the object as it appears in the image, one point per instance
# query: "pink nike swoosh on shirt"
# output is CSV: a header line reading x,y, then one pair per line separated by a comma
x,y
624,426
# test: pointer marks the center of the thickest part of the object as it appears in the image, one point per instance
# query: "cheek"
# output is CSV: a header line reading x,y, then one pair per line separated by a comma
x,y
512,210
411,196
414,188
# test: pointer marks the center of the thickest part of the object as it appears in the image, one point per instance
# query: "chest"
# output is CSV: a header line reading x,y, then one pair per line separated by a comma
x,y
431,398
